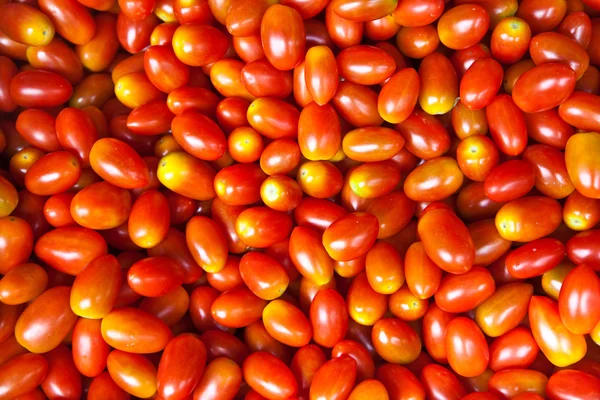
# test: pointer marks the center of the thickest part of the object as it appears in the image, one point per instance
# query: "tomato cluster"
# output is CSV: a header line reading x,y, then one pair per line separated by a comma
x,y
300,199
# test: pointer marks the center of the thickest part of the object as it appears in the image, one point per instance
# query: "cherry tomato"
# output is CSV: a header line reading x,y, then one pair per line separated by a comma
x,y
27,25
269,376
510,40
38,88
263,275
181,366
284,47
504,309
535,258
463,26
579,316
544,87
507,125
582,169
133,373
314,264
335,379
22,374
528,218
222,379
437,94
135,331
466,348
357,104
480,83
90,351
571,383
441,383
514,349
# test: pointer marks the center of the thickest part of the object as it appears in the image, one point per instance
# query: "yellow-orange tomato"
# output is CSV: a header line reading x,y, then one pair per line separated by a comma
x,y
177,169
384,268
25,24
286,323
22,284
439,84
135,89
406,306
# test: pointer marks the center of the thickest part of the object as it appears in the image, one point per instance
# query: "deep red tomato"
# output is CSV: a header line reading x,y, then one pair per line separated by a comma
x,y
466,348
269,376
514,349
335,379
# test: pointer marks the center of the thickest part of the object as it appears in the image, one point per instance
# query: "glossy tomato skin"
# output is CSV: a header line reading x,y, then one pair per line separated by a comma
x,y
46,321
90,351
357,104
222,378
54,173
237,308
365,366
86,300
581,111
548,128
207,243
425,136
447,241
97,54
70,249
566,347
340,370
388,333
553,47
286,323
571,383
535,258
154,276
509,181
551,175
22,374
319,132
463,26
340,238
328,309
197,53
384,268
399,382
37,127
101,206
441,383
437,95
118,163
461,293
434,180
365,65
133,373
344,33
289,54
26,88
466,347
477,92
365,305
269,376
579,291
261,79
507,125
135,330
181,366
510,40
512,382
580,248
63,379
262,226
22,284
71,20
544,87
581,213
515,349
542,16
393,107
504,309
316,264
583,170
528,218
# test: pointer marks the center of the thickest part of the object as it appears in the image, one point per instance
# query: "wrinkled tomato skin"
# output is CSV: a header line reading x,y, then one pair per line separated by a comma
x,y
512,382
504,309
535,258
507,125
89,348
578,294
269,376
135,331
559,345
515,349
441,383
39,89
22,374
570,383
528,218
46,321
447,241
70,249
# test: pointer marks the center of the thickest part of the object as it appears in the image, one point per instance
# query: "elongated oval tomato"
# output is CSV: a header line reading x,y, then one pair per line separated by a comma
x,y
572,383
365,65
310,256
321,74
504,309
46,321
463,26
197,53
461,293
550,47
22,284
286,323
181,366
528,218
514,349
328,317
434,180
135,331
283,37
262,226
178,168
90,351
222,378
583,169
578,294
237,308
447,241
53,173
480,83
512,382
71,19
551,175
439,84
544,87
507,125
334,378
70,249
263,275
95,290
350,236
269,376
466,348
319,132
33,28
101,206
261,79
438,380
154,276
535,258
561,346
134,373
35,88
118,163
365,305
22,374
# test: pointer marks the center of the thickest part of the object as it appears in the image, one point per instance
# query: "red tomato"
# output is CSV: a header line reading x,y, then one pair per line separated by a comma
x,y
480,83
572,384
90,351
328,317
425,136
561,346
103,386
507,125
504,309
441,383
439,84
321,74
399,96
135,330
269,376
71,19
463,26
542,16
284,47
197,45
528,218
133,373
222,379
544,87
319,132
40,89
580,289
22,374
461,293
466,348
181,366
343,241
510,40
335,379
310,256
514,349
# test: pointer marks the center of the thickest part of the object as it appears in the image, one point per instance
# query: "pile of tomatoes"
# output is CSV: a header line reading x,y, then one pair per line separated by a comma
x,y
300,199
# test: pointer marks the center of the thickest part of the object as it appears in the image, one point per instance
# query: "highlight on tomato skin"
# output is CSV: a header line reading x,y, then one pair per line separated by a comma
x,y
308,200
